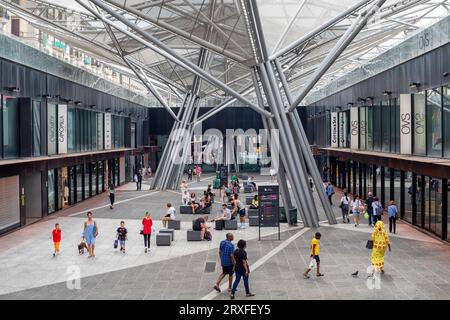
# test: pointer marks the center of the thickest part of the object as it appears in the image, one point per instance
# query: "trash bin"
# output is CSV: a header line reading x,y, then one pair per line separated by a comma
x,y
292,216
283,215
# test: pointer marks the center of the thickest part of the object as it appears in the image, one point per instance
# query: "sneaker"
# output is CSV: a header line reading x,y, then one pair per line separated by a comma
x,y
216,288
145,250
250,295
54,255
232,296
305,276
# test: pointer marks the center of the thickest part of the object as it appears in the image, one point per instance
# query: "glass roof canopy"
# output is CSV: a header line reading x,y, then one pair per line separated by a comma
x,y
298,33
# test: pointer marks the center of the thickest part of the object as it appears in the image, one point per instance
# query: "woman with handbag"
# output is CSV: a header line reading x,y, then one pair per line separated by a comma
x,y
380,240
345,205
356,206
146,230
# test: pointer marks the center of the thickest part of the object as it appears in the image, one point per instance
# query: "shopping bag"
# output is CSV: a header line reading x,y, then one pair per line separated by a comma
x,y
116,243
366,215
312,263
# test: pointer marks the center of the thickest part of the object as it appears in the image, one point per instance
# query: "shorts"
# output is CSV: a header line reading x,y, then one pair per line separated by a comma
x,y
356,213
242,213
227,270
122,243
56,245
317,258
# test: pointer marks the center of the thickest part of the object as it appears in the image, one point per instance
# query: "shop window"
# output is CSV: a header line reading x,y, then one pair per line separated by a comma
x,y
71,123
51,191
386,126
80,183
446,120
10,115
408,197
36,127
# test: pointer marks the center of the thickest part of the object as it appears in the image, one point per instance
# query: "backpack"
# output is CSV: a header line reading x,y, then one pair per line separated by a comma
x,y
379,210
208,235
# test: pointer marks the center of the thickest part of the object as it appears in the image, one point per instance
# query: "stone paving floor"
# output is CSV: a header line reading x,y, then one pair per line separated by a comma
x,y
417,267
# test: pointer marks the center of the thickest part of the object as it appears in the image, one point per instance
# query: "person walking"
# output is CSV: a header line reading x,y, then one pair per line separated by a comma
x,y
314,254
345,206
90,232
190,172
393,216
56,236
198,173
356,205
239,208
122,236
139,176
136,179
112,195
330,192
369,202
377,210
146,231
380,242
183,186
241,269
226,253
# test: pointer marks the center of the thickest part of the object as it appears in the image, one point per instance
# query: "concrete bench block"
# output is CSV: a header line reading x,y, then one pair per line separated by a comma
x,y
248,188
253,221
248,200
253,212
231,225
163,239
168,231
185,210
219,224
174,224
193,235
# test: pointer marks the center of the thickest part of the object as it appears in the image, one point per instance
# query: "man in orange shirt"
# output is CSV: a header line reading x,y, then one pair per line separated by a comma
x,y
314,256
56,235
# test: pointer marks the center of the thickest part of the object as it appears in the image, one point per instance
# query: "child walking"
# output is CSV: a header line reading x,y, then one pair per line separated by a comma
x,y
56,235
122,236
314,256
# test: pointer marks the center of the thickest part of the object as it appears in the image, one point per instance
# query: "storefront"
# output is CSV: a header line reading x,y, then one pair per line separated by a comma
x,y
422,199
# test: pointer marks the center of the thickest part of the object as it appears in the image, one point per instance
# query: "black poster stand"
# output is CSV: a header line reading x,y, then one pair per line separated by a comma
x,y
269,207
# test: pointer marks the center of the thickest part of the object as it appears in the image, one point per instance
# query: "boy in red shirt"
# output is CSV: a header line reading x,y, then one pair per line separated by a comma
x,y
56,235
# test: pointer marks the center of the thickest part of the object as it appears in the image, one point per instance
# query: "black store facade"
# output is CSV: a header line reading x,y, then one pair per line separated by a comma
x,y
61,143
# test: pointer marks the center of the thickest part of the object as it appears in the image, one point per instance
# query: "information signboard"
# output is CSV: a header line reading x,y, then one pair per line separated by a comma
x,y
269,207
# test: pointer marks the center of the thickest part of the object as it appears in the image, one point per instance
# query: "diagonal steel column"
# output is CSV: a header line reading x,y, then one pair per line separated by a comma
x,y
298,172
162,168
342,44
306,151
268,126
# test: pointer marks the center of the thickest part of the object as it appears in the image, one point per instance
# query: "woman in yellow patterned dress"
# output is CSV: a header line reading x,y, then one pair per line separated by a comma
x,y
380,242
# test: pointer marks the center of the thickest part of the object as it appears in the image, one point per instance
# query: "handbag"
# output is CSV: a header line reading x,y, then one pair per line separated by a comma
x,y
369,244
116,243
341,205
141,231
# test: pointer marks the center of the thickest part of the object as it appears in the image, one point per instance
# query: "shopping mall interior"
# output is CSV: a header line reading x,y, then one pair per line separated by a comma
x,y
316,110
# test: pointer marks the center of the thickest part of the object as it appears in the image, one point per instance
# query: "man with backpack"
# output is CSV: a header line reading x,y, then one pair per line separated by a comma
x,y
369,202
377,210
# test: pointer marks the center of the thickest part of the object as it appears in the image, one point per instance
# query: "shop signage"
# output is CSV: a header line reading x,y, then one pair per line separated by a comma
x,y
342,129
269,206
51,129
62,128
334,130
354,127
108,137
362,128
100,131
419,124
405,124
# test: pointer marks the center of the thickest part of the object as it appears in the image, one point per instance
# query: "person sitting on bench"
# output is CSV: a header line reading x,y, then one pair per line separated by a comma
x,y
193,204
206,200
170,214
251,181
226,214
200,225
255,203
